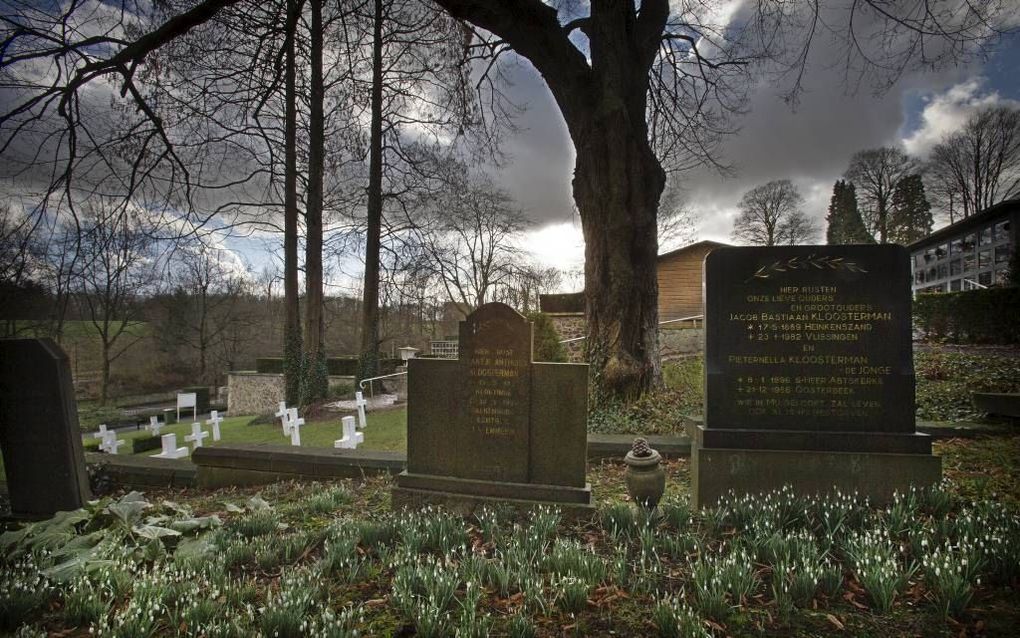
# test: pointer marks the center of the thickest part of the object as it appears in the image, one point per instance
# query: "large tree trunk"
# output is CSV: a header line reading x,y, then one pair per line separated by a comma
x,y
315,375
291,293
369,365
617,184
617,179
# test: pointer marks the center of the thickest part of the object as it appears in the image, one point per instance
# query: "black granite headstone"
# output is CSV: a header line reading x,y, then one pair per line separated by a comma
x,y
810,345
807,349
39,431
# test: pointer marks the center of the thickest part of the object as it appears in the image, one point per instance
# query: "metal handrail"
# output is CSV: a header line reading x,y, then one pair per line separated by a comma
x,y
693,318
371,390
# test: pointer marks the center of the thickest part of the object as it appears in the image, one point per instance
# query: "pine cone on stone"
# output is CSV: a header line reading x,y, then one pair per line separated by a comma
x,y
641,448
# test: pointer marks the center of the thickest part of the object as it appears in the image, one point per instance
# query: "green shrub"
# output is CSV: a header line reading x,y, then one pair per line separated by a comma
x,y
547,340
146,443
991,315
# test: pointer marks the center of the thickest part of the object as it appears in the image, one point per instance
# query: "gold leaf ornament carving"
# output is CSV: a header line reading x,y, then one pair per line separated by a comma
x,y
811,262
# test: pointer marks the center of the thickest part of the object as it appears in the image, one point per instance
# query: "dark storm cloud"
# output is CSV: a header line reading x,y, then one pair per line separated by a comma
x,y
811,144
541,154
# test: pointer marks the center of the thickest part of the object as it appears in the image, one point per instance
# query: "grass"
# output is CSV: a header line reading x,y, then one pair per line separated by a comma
x,y
387,430
332,558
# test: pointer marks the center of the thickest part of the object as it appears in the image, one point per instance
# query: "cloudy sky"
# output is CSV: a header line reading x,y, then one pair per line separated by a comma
x,y
810,145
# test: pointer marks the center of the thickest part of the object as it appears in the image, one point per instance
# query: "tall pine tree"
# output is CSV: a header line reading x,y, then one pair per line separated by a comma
x,y
845,223
910,218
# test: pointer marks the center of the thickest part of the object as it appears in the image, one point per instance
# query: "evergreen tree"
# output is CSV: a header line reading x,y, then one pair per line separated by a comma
x,y
845,225
910,218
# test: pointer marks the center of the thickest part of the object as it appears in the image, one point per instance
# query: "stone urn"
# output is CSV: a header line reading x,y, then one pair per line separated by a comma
x,y
646,480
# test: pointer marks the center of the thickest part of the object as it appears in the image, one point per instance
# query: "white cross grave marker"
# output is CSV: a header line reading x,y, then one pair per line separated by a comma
x,y
196,436
214,420
187,400
154,425
101,435
283,415
359,398
110,442
294,422
351,437
170,449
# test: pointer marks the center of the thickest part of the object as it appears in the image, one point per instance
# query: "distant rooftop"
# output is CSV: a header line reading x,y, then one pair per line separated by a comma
x,y
573,302
698,244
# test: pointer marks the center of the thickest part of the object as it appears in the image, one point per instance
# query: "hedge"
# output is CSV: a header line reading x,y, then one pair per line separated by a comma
x,y
337,366
990,315
144,444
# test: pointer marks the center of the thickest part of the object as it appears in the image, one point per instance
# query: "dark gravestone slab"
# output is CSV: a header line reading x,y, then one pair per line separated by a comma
x,y
493,424
808,348
39,431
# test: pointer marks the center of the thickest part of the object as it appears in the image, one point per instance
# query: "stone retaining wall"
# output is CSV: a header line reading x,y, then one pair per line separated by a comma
x,y
261,393
680,342
673,341
571,326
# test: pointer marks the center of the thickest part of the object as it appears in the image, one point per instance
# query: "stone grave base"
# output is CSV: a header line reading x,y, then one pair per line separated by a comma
x,y
464,496
716,471
144,472
1006,404
242,464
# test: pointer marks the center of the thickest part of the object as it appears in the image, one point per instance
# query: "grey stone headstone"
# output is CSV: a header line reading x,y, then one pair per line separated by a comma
x,y
494,418
39,431
495,352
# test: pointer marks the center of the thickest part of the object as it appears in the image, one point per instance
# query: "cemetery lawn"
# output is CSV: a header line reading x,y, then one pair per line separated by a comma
x,y
387,430
324,559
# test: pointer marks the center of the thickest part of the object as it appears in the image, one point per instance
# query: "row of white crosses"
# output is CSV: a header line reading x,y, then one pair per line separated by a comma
x,y
169,441
351,437
198,434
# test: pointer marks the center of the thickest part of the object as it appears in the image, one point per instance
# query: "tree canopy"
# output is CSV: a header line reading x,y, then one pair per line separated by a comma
x,y
845,225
